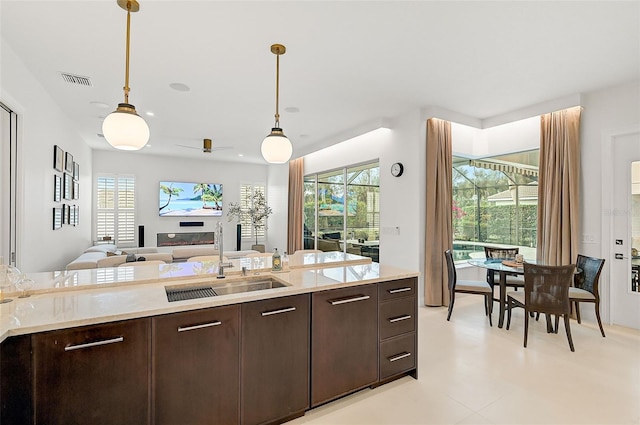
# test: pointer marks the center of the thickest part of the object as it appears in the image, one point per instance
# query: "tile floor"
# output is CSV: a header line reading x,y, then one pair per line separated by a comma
x,y
470,373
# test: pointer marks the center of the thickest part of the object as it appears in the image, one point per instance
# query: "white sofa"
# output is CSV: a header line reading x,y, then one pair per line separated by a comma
x,y
109,255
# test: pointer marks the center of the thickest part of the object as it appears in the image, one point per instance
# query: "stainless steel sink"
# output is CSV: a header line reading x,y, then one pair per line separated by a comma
x,y
216,288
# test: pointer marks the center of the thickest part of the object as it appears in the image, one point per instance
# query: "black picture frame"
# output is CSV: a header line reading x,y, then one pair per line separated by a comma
x,y
67,188
57,218
58,158
72,215
76,220
68,163
76,190
76,171
57,188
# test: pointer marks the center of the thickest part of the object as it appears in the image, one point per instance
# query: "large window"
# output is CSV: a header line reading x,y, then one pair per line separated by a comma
x,y
116,208
495,203
342,210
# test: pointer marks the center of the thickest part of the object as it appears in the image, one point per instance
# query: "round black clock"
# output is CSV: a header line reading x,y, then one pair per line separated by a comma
x,y
397,169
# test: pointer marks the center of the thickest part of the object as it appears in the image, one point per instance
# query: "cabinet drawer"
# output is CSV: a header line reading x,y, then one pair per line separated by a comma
x,y
397,317
397,355
397,289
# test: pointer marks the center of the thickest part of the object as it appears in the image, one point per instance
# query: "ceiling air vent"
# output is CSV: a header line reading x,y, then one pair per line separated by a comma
x,y
76,79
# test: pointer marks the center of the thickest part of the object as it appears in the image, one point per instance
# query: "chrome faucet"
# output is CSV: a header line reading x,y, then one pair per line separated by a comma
x,y
220,244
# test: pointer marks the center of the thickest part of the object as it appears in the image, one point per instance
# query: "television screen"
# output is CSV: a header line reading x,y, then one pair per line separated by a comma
x,y
190,199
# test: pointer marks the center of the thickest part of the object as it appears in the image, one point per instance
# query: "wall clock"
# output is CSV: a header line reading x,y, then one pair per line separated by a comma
x,y
397,169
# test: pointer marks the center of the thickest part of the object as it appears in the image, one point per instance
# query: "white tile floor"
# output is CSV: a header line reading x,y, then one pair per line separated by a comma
x,y
470,373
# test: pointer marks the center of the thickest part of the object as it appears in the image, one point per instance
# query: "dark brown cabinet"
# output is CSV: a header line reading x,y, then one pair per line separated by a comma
x,y
344,340
93,375
195,367
397,328
275,359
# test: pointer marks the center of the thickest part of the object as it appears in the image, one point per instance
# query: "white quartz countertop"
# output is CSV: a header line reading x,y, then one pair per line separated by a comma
x,y
83,297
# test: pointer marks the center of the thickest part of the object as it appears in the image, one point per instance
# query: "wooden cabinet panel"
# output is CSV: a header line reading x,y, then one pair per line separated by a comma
x,y
93,375
397,355
397,289
344,337
16,387
195,367
397,317
275,359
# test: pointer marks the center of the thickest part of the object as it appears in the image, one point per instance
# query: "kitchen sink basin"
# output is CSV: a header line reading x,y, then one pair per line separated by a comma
x,y
190,292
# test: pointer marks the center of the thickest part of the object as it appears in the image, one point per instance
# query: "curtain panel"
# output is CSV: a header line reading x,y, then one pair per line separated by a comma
x,y
296,205
439,233
558,187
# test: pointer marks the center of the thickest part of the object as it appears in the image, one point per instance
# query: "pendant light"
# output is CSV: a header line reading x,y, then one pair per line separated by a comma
x,y
276,148
124,128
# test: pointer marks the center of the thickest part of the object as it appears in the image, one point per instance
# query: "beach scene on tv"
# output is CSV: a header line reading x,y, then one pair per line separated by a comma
x,y
190,199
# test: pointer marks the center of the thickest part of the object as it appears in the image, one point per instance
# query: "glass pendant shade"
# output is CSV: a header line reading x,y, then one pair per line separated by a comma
x,y
124,129
276,147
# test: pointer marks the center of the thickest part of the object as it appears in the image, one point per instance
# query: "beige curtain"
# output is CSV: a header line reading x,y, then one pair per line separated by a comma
x,y
296,205
439,234
558,202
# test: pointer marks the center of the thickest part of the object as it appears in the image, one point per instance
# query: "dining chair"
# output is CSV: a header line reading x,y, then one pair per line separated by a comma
x,y
585,285
467,287
546,290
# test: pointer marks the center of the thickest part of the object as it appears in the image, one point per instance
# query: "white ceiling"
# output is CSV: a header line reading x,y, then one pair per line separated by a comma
x,y
348,63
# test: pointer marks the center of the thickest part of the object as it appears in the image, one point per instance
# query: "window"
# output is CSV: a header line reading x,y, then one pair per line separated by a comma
x,y
342,210
115,213
246,193
495,202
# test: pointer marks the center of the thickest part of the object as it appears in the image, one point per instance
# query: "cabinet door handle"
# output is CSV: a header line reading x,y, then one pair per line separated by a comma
x,y
399,319
395,291
398,356
194,327
349,300
282,310
93,344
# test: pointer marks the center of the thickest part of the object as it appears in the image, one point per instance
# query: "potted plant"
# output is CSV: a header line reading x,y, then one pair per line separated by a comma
x,y
256,214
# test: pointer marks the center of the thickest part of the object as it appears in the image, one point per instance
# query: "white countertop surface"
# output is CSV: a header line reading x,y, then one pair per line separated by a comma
x,y
67,299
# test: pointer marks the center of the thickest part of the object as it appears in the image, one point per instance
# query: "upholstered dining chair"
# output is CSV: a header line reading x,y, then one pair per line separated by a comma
x,y
585,285
546,290
467,287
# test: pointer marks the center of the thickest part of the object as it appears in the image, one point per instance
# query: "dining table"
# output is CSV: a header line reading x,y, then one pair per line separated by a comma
x,y
499,266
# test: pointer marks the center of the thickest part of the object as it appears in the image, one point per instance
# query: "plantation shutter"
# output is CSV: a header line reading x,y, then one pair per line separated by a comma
x,y
115,213
246,190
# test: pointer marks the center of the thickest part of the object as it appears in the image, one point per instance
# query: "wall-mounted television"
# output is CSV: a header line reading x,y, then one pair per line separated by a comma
x,y
178,199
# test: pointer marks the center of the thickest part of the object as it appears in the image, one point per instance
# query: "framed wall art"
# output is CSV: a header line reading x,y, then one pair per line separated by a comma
x,y
67,187
57,188
68,163
76,190
57,218
76,171
58,158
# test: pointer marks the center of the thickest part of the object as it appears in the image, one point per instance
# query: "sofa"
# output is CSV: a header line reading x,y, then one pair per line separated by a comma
x,y
109,255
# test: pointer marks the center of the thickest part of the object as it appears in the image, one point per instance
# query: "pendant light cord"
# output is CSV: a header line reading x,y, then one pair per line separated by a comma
x,y
277,88
126,70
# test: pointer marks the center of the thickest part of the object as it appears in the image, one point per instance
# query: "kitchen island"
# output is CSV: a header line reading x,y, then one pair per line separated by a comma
x,y
109,347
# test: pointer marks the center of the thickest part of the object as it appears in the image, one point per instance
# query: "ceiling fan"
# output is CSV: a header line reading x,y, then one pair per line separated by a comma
x,y
207,146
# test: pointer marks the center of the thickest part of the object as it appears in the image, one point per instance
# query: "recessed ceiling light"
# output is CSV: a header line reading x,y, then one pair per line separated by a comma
x,y
150,114
240,154
292,109
179,87
101,105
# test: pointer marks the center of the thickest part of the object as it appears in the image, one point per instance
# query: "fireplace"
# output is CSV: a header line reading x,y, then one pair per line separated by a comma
x,y
187,238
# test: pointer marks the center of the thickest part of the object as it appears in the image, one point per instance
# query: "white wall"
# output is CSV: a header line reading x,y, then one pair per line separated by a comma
x,y
41,126
150,170
518,136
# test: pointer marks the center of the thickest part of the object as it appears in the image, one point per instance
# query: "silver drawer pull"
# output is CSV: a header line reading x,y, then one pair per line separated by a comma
x,y
395,291
284,310
399,356
349,300
399,319
93,344
194,327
